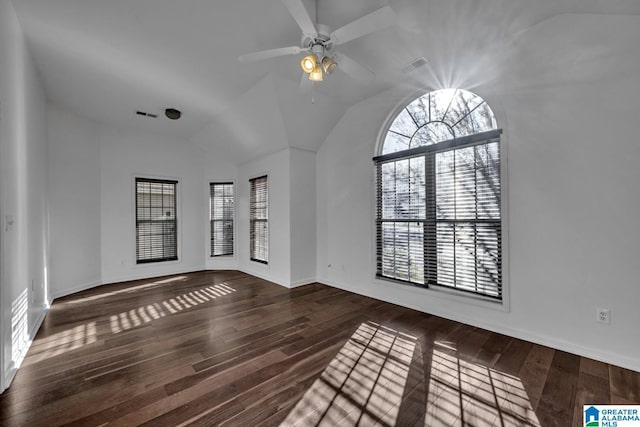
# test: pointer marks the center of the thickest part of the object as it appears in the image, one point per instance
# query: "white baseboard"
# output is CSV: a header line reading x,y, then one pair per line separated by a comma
x,y
545,340
15,364
79,288
263,277
8,378
149,275
302,282
116,279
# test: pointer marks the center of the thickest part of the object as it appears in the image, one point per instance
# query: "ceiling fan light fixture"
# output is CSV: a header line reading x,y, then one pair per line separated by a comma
x,y
316,74
309,63
329,65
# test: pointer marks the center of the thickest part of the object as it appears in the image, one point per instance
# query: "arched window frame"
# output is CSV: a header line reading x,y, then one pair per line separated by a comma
x,y
431,251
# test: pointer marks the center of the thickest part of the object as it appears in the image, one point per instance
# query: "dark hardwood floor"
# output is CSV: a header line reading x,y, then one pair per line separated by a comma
x,y
225,348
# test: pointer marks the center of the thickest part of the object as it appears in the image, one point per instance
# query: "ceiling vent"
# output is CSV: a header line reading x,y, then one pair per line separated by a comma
x,y
415,64
172,113
142,113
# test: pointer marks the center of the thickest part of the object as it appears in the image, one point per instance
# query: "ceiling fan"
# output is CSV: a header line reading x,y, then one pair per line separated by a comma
x,y
318,40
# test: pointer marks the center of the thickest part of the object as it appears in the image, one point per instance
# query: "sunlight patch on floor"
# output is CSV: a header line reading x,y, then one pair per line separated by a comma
x,y
84,334
362,385
380,370
150,312
62,342
128,290
464,393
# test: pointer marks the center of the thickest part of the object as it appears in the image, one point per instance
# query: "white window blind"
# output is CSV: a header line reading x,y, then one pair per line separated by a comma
x,y
222,216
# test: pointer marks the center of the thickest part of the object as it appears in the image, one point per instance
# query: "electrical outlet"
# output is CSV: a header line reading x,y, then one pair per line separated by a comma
x,y
603,315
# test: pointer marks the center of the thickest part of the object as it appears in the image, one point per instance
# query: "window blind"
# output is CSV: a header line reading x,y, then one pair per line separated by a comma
x,y
259,219
156,222
438,216
221,221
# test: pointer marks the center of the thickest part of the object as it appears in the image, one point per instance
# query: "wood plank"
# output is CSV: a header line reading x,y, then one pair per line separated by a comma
x,y
625,383
556,407
591,390
534,372
514,356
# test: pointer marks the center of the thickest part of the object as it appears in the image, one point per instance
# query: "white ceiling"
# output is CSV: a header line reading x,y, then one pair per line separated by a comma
x,y
106,59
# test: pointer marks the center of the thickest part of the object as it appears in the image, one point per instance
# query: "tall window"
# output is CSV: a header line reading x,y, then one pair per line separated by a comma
x,y
438,213
259,220
156,223
222,213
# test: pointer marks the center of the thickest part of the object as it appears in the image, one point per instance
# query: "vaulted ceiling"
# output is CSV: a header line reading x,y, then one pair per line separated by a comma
x,y
108,59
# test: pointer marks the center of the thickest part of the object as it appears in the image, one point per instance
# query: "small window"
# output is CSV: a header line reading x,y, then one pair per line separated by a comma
x,y
259,220
438,216
156,222
222,214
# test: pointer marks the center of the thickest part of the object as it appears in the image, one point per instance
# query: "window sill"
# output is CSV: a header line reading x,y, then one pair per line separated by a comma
x,y
158,263
448,294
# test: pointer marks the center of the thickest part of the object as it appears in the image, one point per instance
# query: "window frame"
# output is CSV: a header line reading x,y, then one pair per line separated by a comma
x,y
253,221
444,292
177,233
233,220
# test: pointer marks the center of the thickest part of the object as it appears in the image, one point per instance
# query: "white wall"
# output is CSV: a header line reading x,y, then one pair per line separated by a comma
x,y
125,154
74,202
292,215
92,168
277,168
303,216
92,171
23,186
568,100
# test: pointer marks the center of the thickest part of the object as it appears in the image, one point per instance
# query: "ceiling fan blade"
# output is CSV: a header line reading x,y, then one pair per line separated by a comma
x,y
271,53
354,69
375,21
301,15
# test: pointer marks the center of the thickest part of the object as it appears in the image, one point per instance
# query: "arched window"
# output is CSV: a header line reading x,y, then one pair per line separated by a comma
x,y
438,215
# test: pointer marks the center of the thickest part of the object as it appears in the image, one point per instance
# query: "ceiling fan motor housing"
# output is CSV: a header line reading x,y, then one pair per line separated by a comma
x,y
322,38
318,50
